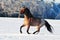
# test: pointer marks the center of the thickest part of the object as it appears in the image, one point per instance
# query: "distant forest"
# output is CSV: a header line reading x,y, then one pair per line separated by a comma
x,y
39,9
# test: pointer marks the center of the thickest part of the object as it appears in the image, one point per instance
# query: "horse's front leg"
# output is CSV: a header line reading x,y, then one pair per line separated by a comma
x,y
28,29
21,28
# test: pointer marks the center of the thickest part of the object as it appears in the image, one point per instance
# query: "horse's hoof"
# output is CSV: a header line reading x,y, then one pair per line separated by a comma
x,y
34,32
29,33
21,32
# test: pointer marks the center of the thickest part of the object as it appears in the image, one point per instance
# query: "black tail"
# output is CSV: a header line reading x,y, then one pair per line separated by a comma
x,y
48,26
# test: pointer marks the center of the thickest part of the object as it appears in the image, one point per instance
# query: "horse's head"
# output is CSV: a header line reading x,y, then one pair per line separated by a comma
x,y
24,10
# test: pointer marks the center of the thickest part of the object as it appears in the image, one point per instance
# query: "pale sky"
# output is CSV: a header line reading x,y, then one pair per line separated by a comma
x,y
58,1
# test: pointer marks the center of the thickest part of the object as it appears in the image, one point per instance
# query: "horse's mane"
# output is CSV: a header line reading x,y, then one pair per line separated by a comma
x,y
28,13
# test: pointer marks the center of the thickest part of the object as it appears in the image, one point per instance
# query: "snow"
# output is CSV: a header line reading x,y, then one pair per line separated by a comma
x,y
9,30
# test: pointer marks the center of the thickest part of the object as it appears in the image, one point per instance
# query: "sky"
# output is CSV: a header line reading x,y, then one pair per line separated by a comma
x,y
57,1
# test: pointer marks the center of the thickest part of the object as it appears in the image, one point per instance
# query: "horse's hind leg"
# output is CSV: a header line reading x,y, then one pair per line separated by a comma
x,y
38,29
21,28
28,29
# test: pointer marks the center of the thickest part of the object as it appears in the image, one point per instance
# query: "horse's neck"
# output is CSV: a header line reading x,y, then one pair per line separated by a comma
x,y
25,17
28,15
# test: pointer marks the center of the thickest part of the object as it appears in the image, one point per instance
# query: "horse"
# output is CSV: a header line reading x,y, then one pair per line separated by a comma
x,y
30,20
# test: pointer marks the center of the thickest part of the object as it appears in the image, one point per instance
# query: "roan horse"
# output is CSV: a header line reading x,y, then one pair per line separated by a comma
x,y
30,20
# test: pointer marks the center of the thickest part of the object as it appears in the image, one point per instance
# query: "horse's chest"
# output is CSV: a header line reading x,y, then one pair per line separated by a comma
x,y
26,21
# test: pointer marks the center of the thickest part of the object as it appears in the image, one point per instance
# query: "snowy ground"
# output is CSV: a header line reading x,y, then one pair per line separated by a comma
x,y
9,30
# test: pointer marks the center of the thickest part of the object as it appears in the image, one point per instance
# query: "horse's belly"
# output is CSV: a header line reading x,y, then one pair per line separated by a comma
x,y
35,23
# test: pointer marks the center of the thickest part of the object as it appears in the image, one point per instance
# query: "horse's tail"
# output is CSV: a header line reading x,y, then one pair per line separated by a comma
x,y
48,26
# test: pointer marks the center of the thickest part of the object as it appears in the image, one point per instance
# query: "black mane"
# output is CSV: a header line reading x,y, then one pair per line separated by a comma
x,y
28,13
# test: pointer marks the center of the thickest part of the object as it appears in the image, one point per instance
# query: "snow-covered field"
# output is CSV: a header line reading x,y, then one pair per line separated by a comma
x,y
9,30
